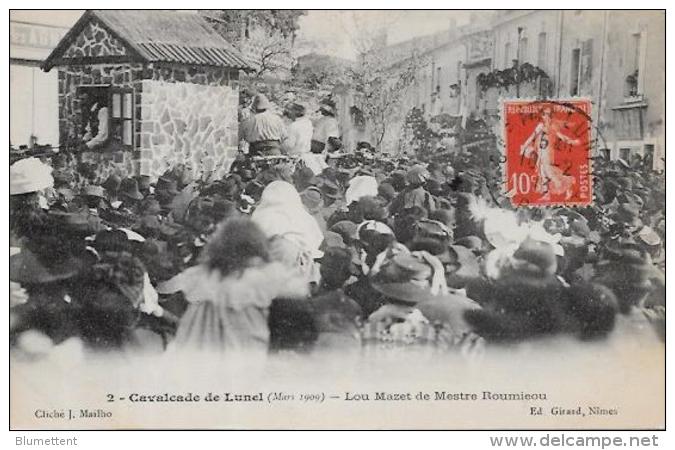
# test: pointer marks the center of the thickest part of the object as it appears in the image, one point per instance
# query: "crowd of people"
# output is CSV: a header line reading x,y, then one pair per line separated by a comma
x,y
353,252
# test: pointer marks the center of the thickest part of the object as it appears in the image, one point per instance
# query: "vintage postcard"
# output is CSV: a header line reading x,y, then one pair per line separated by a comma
x,y
245,219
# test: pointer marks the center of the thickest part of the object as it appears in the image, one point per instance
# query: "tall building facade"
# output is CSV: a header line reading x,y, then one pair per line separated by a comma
x,y
615,58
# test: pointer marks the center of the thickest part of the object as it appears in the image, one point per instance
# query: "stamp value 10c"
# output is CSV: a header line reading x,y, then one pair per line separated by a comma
x,y
547,152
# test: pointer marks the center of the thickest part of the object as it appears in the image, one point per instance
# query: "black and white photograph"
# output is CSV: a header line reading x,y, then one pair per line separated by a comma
x,y
312,219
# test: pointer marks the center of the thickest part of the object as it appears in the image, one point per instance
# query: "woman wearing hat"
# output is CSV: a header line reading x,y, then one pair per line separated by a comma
x,y
336,315
629,272
282,216
523,299
414,194
129,194
28,180
419,312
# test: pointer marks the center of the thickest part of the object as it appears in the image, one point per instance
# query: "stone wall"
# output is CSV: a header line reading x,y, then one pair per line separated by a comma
x,y
182,115
95,41
188,117
73,77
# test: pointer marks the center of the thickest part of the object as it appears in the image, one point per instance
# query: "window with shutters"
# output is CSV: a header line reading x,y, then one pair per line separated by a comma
x,y
635,65
119,103
586,69
524,51
575,71
541,51
122,116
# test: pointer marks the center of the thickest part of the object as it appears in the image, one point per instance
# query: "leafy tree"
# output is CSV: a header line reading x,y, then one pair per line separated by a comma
x,y
381,88
315,71
417,136
274,47
380,79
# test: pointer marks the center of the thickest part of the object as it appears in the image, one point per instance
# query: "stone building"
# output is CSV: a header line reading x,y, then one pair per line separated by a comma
x,y
171,84
633,93
615,58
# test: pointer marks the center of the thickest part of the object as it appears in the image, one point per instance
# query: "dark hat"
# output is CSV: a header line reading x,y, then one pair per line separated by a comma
x,y
436,247
27,268
344,175
150,206
628,214
444,216
144,183
311,198
386,191
403,278
62,177
149,223
427,228
535,261
296,109
111,241
229,188
347,229
166,186
329,173
467,265
629,197
304,177
112,184
247,174
79,222
373,208
129,188
254,189
332,239
398,179
625,262
434,187
329,189
336,260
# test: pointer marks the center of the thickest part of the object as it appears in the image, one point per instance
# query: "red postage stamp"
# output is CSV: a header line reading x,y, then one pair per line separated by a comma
x,y
547,152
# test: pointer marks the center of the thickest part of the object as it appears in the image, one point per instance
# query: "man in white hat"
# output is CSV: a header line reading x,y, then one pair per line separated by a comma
x,y
265,130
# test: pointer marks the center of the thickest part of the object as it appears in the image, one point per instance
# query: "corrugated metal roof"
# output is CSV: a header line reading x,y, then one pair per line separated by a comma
x,y
166,36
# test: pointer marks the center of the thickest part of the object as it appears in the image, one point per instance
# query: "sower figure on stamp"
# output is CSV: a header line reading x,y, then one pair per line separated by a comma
x,y
551,179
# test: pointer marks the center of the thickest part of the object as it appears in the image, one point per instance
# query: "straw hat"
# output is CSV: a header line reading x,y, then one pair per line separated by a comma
x,y
29,175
